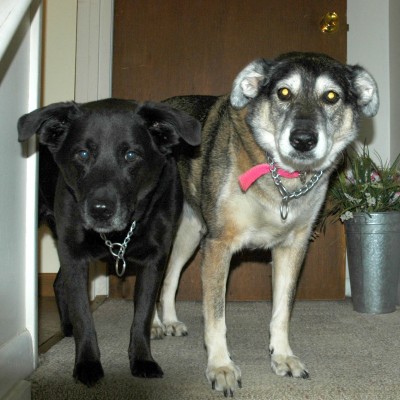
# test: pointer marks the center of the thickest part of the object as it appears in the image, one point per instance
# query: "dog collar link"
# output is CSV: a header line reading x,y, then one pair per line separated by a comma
x,y
119,253
249,177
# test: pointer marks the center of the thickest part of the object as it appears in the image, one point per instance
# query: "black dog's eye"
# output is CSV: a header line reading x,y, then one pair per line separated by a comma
x,y
130,155
284,94
84,155
331,97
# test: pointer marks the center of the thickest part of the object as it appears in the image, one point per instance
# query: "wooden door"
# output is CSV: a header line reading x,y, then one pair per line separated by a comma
x,y
165,48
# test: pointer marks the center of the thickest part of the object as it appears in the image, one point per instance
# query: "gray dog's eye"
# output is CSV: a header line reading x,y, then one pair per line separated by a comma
x,y
284,94
330,97
130,155
84,155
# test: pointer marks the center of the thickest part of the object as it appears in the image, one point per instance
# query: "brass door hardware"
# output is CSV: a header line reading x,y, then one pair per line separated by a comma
x,y
329,23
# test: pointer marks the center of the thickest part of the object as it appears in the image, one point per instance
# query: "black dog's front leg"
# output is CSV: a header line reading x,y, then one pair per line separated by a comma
x,y
148,281
62,304
88,367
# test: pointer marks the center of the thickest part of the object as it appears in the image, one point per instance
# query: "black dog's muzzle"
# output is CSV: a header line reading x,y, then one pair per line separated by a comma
x,y
101,209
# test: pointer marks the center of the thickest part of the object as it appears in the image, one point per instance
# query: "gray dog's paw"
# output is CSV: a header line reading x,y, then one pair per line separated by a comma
x,y
288,366
157,331
224,378
175,328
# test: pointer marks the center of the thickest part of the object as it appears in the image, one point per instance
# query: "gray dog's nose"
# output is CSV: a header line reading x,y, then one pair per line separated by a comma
x,y
303,140
102,209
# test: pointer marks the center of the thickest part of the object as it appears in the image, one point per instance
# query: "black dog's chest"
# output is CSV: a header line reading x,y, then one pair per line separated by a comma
x,y
137,249
100,246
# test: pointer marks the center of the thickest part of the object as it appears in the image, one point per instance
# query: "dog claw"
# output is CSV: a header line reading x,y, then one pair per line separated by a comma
x,y
305,375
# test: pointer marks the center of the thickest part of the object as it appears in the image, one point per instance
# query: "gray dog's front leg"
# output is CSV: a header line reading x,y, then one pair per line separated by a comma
x,y
223,374
287,261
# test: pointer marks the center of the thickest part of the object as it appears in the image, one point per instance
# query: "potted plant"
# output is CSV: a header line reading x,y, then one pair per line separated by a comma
x,y
365,196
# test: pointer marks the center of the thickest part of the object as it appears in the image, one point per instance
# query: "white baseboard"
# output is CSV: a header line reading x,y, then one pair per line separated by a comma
x,y
16,364
20,391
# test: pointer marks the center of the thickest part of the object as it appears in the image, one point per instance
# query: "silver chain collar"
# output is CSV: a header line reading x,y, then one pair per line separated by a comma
x,y
120,248
286,195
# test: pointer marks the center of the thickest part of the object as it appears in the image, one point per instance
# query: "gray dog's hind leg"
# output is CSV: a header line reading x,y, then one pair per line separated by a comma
x,y
187,239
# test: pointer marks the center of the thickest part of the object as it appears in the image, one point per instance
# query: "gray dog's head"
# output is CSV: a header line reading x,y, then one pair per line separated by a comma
x,y
304,108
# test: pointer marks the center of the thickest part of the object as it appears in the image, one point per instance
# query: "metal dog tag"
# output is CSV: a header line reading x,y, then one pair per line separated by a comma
x,y
117,265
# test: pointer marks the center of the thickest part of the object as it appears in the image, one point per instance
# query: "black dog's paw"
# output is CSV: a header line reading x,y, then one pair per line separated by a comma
x,y
88,372
67,329
146,369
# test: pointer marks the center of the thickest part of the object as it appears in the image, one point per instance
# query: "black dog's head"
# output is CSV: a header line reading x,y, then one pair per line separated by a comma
x,y
110,153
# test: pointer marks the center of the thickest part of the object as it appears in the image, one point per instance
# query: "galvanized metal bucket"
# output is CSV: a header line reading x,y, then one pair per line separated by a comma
x,y
373,252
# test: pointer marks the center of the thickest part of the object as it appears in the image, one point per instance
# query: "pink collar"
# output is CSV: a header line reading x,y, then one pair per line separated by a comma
x,y
250,176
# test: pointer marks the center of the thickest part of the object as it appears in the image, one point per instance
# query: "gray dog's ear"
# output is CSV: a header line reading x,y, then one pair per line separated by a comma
x,y
366,90
249,81
50,123
167,125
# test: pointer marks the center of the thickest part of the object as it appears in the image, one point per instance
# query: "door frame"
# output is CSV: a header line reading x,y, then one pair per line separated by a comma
x,y
93,80
95,20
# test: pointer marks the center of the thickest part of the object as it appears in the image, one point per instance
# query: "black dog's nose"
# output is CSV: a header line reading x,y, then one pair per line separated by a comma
x,y
303,140
102,209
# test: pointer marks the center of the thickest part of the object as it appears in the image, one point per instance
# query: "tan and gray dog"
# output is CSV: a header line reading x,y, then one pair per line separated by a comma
x,y
259,181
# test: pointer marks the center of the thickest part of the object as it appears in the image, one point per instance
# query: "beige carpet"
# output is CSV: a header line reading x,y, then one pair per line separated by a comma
x,y
349,356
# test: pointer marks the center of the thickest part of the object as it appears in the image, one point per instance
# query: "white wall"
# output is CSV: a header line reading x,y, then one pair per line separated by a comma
x,y
59,49
19,93
394,57
373,42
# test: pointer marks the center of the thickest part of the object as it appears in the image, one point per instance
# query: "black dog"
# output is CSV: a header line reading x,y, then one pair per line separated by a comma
x,y
114,177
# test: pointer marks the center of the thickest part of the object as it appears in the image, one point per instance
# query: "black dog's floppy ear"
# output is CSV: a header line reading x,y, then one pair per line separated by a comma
x,y
50,123
167,125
